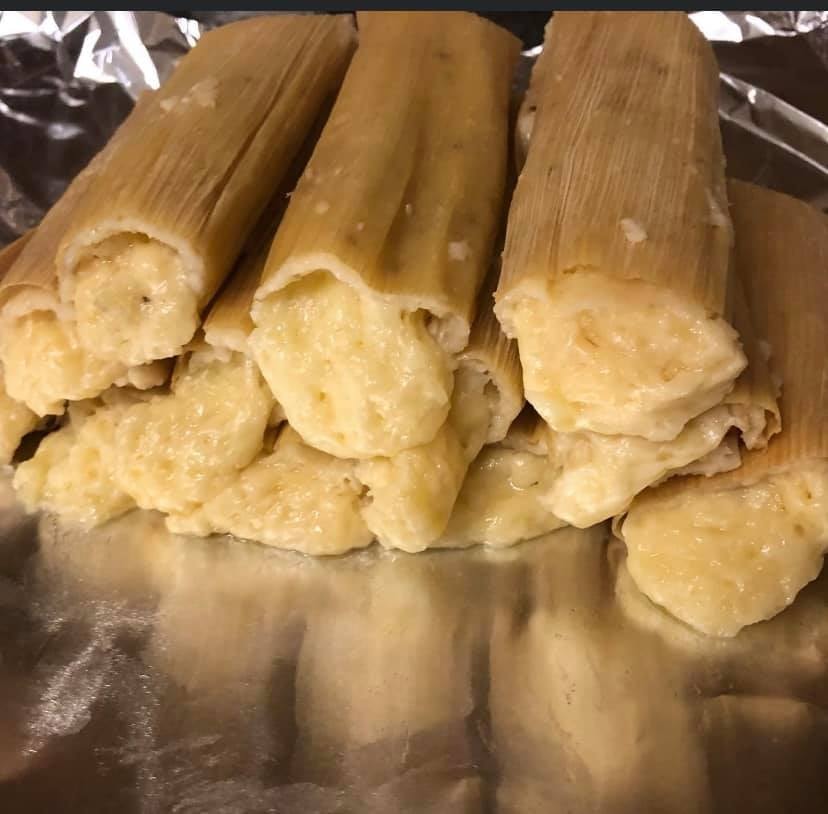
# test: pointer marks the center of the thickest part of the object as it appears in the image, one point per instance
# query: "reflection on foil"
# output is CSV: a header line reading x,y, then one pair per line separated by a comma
x,y
144,671
140,671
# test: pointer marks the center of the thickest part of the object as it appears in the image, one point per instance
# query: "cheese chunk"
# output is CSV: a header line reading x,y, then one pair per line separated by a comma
x,y
357,377
621,357
133,300
722,559
177,450
411,495
71,474
293,497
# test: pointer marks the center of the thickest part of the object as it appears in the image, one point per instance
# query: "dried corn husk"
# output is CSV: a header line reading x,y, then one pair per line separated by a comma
x,y
372,281
194,171
15,418
29,295
635,93
733,549
402,195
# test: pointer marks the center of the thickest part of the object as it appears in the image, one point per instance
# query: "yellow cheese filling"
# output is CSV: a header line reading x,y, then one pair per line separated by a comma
x,y
622,357
71,474
46,365
500,502
599,475
294,497
721,560
177,450
411,495
357,377
133,300
16,419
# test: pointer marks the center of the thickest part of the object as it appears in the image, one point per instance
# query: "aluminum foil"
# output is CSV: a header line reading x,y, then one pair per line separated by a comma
x,y
144,672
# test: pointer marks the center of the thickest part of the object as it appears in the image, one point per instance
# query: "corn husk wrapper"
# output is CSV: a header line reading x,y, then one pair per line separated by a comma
x,y
759,531
669,177
15,418
194,171
403,192
635,92
31,286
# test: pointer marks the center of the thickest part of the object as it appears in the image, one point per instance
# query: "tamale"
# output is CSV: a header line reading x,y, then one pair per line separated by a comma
x,y
44,362
370,287
597,476
72,472
164,218
500,503
180,448
724,552
411,494
16,419
616,260
291,496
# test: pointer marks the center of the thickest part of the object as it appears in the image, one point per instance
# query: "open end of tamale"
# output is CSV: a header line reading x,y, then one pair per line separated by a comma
x,y
500,503
291,496
165,217
616,256
621,357
371,283
599,475
724,552
72,471
134,299
720,559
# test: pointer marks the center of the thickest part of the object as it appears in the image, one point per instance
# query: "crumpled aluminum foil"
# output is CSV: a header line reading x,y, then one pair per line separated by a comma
x,y
143,672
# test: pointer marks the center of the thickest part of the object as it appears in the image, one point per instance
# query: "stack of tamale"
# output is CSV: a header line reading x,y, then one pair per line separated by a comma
x,y
349,361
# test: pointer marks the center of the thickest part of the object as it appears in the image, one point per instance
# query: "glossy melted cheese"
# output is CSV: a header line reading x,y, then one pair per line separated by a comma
x,y
500,502
177,450
45,364
16,419
71,474
599,475
721,560
622,357
411,495
294,497
133,300
357,377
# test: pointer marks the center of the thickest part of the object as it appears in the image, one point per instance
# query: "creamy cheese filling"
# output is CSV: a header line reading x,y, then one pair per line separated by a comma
x,y
16,419
411,495
71,474
721,560
133,301
599,475
294,497
177,450
500,502
357,377
45,364
622,357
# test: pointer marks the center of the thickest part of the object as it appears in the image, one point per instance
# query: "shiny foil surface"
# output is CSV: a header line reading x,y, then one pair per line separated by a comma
x,y
144,672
